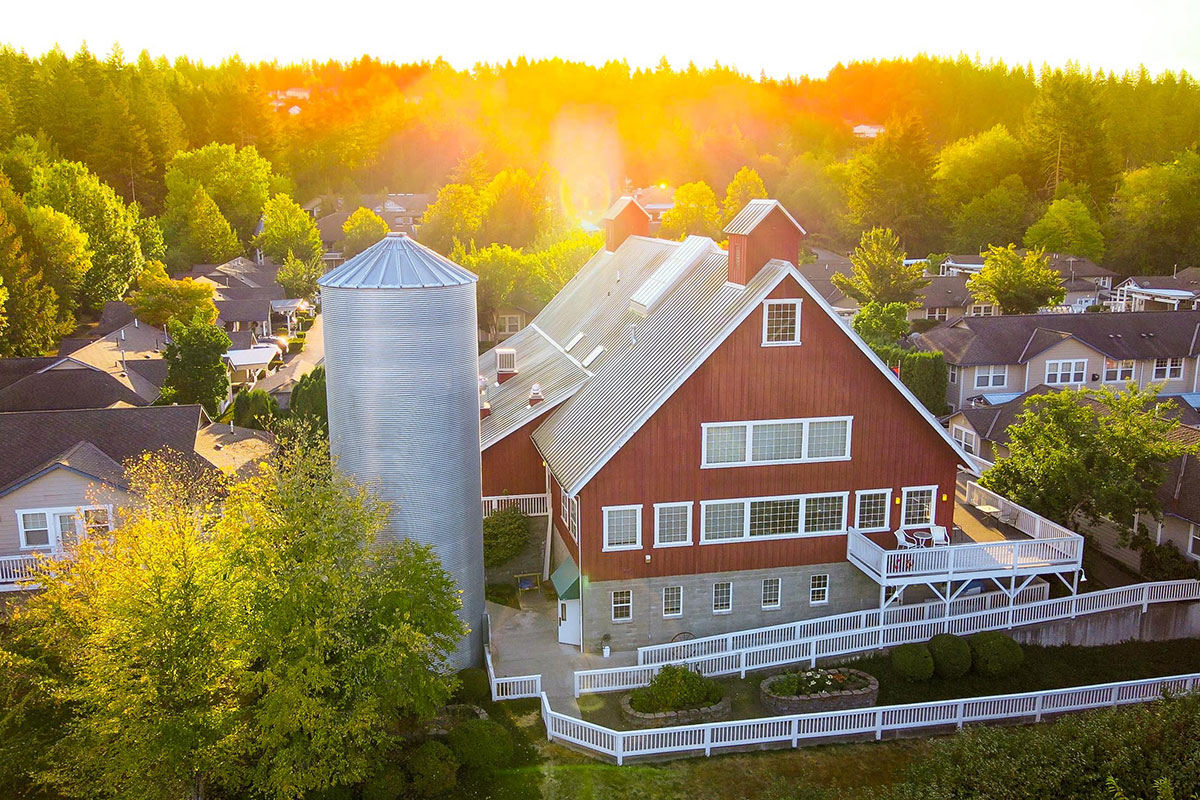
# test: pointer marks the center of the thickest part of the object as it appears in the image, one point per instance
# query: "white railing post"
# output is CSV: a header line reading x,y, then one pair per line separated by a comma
x,y
795,731
1037,707
878,725
1113,701
708,740
958,714
1145,597
619,746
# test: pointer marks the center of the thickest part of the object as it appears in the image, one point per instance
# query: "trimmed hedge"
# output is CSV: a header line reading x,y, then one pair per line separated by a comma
x,y
924,373
913,662
505,533
432,769
951,655
473,686
481,744
995,654
676,688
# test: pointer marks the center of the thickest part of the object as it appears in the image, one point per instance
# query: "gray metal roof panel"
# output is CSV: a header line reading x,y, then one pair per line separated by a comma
x,y
620,205
755,212
396,262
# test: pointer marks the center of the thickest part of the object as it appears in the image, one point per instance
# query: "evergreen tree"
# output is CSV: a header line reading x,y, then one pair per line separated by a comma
x,y
288,229
238,180
196,370
694,213
309,399
999,216
1018,283
745,186
194,230
879,273
362,229
1067,227
254,408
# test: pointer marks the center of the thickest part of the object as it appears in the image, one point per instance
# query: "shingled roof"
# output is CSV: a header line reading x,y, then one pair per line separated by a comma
x,y
1014,339
51,389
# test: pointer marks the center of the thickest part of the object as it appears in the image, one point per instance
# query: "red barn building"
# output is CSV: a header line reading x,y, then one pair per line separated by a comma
x,y
711,433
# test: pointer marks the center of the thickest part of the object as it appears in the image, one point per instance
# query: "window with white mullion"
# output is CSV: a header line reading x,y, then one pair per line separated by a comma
x,y
1166,369
35,529
824,514
787,441
770,593
873,508
1060,373
781,322
991,377
622,527
775,517
672,599
672,524
917,506
41,528
723,520
1118,371
772,517
573,523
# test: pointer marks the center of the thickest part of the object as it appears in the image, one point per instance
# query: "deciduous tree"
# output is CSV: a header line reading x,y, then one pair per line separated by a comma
x,y
158,299
1020,283
287,228
695,213
999,216
745,186
196,370
880,323
362,229
195,230
971,167
879,273
455,215
239,181
299,277
1067,227
1155,221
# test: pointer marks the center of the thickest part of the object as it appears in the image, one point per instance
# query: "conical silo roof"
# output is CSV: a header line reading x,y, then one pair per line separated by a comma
x,y
396,262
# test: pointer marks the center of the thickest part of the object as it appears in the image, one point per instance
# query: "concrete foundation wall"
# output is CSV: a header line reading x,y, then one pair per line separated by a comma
x,y
849,590
1159,623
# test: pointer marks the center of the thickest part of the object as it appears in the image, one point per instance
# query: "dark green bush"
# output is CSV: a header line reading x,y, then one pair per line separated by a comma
x,y
676,688
923,372
912,662
390,783
473,686
922,325
432,769
995,654
951,656
505,533
481,744
1164,562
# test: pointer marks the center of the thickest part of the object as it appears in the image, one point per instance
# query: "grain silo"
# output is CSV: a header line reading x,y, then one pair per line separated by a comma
x,y
402,372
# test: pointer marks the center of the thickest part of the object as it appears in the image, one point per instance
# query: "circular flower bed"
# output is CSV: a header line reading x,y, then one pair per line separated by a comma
x,y
818,690
676,696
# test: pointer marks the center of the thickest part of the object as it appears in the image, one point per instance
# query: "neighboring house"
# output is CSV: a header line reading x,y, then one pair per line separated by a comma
x,y
710,433
401,211
864,131
513,315
132,355
241,315
330,228
820,275
45,384
62,474
654,201
237,272
946,298
248,365
1013,354
1086,283
1180,291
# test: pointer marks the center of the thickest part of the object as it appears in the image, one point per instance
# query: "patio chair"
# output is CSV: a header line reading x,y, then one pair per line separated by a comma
x,y
903,542
940,539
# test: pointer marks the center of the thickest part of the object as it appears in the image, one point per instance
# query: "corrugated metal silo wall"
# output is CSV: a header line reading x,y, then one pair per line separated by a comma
x,y
402,373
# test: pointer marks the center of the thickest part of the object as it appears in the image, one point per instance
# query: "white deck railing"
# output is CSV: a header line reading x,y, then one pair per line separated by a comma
x,y
14,569
1032,525
835,725
531,505
892,634
510,688
841,623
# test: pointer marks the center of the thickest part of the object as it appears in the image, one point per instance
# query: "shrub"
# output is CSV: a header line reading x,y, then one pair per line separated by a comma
x,y
913,662
505,533
951,655
481,744
923,325
676,688
815,681
431,769
388,784
1164,562
995,654
473,686
923,372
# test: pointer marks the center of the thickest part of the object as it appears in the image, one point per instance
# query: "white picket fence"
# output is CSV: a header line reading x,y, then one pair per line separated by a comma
x,y
841,623
891,634
531,505
837,725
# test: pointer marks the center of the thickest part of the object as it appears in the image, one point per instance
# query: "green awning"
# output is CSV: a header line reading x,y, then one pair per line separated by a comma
x,y
566,580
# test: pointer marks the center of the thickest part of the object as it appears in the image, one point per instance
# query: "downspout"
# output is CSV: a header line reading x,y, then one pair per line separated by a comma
x,y
549,527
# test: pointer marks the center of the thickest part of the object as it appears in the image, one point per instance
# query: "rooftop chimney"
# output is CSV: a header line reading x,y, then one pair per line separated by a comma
x,y
535,394
762,231
485,411
624,219
506,364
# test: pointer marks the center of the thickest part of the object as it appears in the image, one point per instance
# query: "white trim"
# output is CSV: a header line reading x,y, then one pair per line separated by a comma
x,y
607,548
1171,365
749,443
689,505
1058,362
664,603
612,606
797,303
503,327
54,534
813,589
746,509
789,271
887,517
728,610
991,376
1118,368
778,595
966,432
904,493
573,523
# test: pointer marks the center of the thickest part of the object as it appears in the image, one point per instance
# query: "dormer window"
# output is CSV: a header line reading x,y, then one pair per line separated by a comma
x,y
781,323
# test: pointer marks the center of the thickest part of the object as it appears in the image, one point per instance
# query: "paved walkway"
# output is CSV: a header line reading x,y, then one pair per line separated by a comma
x,y
525,642
303,363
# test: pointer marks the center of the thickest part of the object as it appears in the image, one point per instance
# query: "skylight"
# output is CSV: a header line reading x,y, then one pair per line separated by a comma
x,y
668,273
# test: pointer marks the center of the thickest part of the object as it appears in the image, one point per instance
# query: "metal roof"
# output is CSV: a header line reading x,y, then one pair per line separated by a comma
x,y
396,262
671,270
622,203
755,212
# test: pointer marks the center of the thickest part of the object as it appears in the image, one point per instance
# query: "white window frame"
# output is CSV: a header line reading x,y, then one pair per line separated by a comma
x,y
908,490
1172,370
564,506
510,323
613,605
965,437
573,523
778,594
674,614
748,460
813,589
981,310
607,548
687,504
729,608
54,533
940,313
746,506
1058,371
1119,366
952,373
989,373
766,307
887,504
1194,540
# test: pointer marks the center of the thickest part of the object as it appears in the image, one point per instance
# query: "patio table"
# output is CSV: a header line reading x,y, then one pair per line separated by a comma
x,y
923,538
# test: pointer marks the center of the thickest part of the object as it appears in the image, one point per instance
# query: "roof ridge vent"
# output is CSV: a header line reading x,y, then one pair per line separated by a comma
x,y
668,273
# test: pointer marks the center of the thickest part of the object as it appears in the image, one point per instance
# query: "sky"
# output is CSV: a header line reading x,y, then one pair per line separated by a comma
x,y
778,38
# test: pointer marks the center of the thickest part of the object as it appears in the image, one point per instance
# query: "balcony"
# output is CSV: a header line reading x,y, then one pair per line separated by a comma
x,y
14,569
994,538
